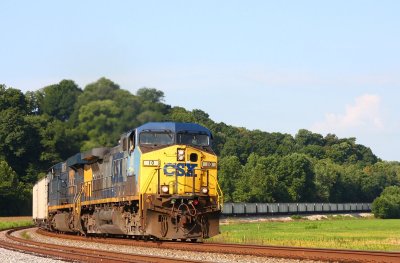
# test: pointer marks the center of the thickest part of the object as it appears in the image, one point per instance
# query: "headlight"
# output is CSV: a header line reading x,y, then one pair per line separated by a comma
x,y
209,164
151,163
165,189
204,190
181,155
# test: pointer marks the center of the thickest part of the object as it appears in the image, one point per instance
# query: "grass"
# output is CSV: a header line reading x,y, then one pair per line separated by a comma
x,y
340,232
25,235
10,222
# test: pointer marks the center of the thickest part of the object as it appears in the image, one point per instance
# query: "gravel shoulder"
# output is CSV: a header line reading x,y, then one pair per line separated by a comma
x,y
10,256
201,256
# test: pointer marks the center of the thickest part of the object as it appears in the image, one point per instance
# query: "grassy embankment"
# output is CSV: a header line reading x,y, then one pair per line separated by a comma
x,y
10,222
341,233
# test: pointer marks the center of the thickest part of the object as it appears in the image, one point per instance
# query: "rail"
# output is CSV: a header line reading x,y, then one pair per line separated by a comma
x,y
78,254
337,255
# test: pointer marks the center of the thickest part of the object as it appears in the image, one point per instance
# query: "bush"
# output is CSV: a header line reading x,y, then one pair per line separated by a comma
x,y
387,205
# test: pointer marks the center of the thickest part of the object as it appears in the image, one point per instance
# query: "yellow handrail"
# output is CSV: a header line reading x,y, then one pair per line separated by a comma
x,y
147,183
77,209
149,179
220,196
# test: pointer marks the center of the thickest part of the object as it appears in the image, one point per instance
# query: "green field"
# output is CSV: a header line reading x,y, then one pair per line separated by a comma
x,y
362,234
10,222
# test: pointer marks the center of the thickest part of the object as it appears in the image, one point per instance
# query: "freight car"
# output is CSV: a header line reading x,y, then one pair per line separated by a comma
x,y
159,182
238,209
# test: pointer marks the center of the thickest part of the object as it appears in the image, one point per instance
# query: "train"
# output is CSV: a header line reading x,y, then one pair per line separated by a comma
x,y
269,209
159,182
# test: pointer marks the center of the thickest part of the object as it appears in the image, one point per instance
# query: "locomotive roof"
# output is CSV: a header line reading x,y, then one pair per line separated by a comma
x,y
175,127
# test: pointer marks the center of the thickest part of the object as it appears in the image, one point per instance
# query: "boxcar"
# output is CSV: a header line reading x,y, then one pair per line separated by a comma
x,y
39,201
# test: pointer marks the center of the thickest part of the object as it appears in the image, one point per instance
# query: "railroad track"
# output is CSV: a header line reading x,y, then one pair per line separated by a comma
x,y
74,253
252,250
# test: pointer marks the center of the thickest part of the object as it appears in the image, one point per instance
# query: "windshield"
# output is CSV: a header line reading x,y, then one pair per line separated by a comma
x,y
193,139
156,138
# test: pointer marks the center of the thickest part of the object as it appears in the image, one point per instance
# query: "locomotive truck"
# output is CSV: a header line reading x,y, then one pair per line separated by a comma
x,y
159,182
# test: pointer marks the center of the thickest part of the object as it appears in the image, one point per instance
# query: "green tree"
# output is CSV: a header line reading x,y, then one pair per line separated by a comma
x,y
59,100
305,137
13,195
327,176
387,205
12,98
33,100
180,114
102,89
257,183
19,141
97,120
150,94
377,177
296,171
149,116
230,171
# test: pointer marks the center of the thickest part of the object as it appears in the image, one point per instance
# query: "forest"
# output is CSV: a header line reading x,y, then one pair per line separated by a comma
x,y
43,127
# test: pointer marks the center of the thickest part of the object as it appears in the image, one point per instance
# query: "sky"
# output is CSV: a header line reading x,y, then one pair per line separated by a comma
x,y
276,66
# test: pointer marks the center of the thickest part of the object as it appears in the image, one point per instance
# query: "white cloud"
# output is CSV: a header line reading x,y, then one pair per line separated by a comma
x,y
364,115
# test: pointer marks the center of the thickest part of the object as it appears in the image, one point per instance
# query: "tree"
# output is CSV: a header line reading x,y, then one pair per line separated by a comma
x,y
13,195
296,171
377,177
97,120
19,141
12,98
150,94
258,182
305,137
102,89
58,100
230,171
33,100
180,114
327,176
341,152
387,205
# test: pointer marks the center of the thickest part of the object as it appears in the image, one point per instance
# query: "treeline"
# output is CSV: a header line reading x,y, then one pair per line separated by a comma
x,y
40,128
256,166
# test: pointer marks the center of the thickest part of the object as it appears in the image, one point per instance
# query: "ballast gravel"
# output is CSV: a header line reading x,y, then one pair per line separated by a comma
x,y
10,256
199,256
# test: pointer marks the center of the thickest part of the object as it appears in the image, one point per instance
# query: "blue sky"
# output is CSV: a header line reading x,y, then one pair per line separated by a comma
x,y
326,66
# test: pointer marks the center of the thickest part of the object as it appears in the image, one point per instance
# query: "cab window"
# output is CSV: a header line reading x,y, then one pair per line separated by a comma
x,y
156,138
193,139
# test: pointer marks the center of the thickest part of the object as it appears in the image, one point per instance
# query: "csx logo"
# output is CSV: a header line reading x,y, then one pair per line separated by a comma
x,y
171,169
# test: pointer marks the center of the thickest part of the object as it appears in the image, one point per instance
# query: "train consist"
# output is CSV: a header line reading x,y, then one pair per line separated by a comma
x,y
159,182
237,209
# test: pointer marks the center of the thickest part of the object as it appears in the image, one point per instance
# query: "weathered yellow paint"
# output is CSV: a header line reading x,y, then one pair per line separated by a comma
x,y
71,179
87,178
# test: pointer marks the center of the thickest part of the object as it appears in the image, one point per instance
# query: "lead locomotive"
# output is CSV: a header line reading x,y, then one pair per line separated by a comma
x,y
160,181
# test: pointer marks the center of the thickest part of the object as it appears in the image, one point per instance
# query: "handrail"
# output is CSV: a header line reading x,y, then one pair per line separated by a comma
x,y
220,195
149,179
77,209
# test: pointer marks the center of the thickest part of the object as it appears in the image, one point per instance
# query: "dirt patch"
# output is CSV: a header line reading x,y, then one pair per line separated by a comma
x,y
15,218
